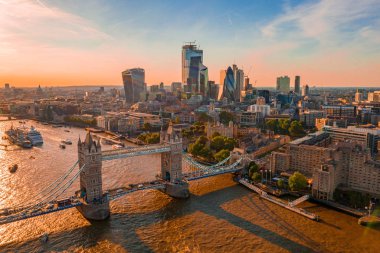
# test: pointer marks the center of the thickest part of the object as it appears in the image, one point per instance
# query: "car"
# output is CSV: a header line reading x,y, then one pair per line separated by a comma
x,y
140,186
119,190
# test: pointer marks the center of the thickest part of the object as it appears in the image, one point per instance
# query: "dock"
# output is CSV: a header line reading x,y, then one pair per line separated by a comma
x,y
279,202
341,207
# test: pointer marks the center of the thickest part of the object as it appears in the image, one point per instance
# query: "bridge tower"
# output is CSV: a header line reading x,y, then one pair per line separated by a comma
x,y
171,164
96,206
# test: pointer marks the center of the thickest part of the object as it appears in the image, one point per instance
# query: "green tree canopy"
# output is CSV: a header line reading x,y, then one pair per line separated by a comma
x,y
296,129
297,181
215,134
252,168
196,148
280,184
225,117
204,117
217,143
222,154
256,176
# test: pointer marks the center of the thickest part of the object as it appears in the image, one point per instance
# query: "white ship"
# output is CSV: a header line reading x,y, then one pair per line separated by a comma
x,y
34,136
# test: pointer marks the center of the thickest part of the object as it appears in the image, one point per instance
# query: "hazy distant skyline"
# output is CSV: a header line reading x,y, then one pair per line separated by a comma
x,y
53,42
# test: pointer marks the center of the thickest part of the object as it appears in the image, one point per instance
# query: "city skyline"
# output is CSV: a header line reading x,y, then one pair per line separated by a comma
x,y
53,43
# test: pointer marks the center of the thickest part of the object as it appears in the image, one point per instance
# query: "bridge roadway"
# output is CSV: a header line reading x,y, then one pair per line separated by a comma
x,y
108,155
11,215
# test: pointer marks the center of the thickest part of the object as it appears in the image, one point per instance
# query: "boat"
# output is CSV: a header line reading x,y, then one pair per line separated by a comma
x,y
62,146
68,131
45,123
116,146
18,136
67,142
34,136
13,168
44,237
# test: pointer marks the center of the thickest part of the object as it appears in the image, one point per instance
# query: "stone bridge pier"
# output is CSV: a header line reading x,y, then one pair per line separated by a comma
x,y
171,164
95,204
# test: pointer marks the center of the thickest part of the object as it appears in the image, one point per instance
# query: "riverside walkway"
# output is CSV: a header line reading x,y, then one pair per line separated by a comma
x,y
278,201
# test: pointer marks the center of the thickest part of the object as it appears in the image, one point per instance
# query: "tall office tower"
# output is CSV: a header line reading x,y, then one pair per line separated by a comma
x,y
193,69
305,90
203,82
134,85
239,82
6,86
213,90
247,85
358,96
283,84
297,85
227,79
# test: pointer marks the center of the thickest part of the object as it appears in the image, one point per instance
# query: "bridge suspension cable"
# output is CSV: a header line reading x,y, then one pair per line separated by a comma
x,y
44,191
46,199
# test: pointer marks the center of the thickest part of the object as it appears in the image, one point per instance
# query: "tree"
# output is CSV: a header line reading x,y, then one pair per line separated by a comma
x,y
296,129
225,117
202,139
196,148
204,117
153,138
217,143
256,176
280,184
284,125
215,134
272,125
252,168
222,154
229,143
147,126
297,181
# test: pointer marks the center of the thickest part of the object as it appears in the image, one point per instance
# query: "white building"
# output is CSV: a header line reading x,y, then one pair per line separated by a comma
x,y
263,109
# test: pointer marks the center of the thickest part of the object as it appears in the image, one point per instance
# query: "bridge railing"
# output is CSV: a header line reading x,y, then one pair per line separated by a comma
x,y
135,151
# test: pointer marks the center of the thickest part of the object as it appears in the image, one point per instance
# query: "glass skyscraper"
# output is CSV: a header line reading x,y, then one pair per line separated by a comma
x,y
134,85
194,73
232,80
228,84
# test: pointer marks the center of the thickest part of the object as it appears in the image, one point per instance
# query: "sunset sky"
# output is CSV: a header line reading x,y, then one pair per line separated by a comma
x,y
90,42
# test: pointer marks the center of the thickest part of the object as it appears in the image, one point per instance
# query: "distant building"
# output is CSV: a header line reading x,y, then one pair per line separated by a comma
x,y
154,88
134,85
340,111
283,84
374,96
297,85
265,94
309,117
358,96
176,86
6,86
213,90
305,90
263,109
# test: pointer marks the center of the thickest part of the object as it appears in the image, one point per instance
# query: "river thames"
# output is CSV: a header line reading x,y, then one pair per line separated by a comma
x,y
219,216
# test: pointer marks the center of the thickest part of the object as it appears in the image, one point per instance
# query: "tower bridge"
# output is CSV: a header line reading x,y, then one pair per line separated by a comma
x,y
93,201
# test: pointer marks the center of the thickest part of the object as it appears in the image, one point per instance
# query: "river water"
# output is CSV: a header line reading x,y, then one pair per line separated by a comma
x,y
220,215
